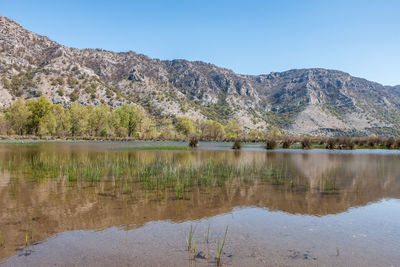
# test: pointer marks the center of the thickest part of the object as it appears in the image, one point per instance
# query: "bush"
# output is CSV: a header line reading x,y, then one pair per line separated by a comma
x,y
237,145
397,144
74,96
194,141
287,142
347,143
271,144
330,143
390,143
306,143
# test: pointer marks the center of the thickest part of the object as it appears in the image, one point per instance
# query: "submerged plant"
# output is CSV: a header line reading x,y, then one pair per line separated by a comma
x,y
221,249
195,249
189,238
208,234
1,239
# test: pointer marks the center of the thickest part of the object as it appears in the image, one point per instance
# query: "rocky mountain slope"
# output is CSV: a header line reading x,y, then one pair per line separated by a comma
x,y
305,101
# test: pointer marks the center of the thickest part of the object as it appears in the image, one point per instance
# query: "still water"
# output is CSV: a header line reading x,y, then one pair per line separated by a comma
x,y
110,204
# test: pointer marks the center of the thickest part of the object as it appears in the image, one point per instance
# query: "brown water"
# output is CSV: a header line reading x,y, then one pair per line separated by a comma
x,y
108,204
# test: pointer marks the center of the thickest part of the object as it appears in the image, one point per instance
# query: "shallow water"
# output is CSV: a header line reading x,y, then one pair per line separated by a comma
x,y
103,204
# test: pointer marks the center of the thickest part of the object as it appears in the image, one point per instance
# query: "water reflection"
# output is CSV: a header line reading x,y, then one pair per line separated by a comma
x,y
52,188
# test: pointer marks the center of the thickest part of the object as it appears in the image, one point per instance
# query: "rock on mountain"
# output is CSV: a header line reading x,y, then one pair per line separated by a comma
x,y
303,101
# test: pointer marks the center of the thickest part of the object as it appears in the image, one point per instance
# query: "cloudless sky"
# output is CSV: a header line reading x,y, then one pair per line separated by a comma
x,y
361,37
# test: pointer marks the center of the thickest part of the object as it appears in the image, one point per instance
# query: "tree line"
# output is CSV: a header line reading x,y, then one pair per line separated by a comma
x,y
40,117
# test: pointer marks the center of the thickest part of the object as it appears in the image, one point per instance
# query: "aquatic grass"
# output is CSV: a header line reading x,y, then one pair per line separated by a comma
x,y
221,249
329,184
189,238
155,177
28,241
208,234
195,249
2,243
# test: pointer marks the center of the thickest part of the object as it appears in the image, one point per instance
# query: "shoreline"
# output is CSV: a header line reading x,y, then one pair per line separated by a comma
x,y
166,144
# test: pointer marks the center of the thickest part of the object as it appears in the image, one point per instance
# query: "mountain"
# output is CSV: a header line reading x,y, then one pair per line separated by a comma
x,y
301,101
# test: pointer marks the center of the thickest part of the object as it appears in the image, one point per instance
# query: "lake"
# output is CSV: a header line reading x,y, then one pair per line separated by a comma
x,y
116,203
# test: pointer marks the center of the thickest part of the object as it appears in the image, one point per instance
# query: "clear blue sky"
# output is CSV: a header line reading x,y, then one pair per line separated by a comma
x,y
361,37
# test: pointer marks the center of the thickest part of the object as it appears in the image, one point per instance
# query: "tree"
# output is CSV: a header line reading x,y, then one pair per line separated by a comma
x,y
274,132
212,130
148,129
4,124
79,119
48,125
233,129
131,117
166,129
98,120
256,135
185,126
17,114
39,109
62,117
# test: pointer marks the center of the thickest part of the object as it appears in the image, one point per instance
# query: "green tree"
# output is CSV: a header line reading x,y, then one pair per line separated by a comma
x,y
185,126
62,117
98,120
274,132
212,130
79,119
39,109
167,131
4,124
233,129
48,125
131,117
256,135
17,115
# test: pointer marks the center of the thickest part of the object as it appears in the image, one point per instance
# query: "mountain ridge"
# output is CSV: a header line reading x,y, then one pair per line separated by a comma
x,y
299,101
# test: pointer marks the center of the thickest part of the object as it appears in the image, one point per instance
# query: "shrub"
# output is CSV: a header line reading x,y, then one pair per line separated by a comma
x,y
60,92
271,143
397,144
390,143
287,142
347,143
306,143
74,96
194,141
237,145
330,143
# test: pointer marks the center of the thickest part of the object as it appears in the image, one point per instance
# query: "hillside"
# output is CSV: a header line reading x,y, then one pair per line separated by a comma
x,y
303,101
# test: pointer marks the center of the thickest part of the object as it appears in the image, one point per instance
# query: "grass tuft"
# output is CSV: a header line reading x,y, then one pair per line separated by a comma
x,y
221,249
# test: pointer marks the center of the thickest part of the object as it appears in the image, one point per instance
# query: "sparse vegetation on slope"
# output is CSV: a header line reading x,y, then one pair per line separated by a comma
x,y
303,101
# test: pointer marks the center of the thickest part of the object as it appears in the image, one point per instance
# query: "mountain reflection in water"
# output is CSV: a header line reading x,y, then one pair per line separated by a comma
x,y
57,187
